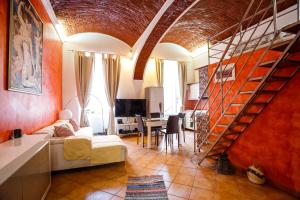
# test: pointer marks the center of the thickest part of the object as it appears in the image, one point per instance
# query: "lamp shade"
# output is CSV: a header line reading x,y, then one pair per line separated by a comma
x,y
65,114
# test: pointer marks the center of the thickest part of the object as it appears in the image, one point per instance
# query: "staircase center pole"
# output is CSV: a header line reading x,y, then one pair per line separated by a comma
x,y
298,10
275,16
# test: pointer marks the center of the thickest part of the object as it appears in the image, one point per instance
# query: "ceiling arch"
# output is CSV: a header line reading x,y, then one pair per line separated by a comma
x,y
174,11
123,19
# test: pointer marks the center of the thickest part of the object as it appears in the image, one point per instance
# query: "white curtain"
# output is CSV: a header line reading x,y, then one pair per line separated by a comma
x,y
182,76
172,101
159,66
111,71
84,67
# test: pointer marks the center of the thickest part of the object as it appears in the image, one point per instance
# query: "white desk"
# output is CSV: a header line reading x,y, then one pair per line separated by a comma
x,y
152,123
25,164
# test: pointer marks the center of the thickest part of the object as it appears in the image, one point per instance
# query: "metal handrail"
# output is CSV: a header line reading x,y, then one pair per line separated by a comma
x,y
228,61
237,24
225,52
245,63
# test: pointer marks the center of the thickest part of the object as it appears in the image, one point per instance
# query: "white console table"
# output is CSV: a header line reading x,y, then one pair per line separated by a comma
x,y
25,168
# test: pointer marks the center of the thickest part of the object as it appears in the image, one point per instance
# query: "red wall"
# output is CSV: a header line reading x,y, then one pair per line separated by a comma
x,y
272,141
26,111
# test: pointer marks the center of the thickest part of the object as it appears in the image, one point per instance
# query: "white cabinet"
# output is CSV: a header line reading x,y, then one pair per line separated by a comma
x,y
193,91
155,99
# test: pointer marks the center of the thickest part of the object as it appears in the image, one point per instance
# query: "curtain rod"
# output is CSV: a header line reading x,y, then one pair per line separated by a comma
x,y
99,52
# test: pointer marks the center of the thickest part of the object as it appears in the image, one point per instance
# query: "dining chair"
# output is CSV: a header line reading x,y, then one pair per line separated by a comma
x,y
182,117
142,129
157,128
172,128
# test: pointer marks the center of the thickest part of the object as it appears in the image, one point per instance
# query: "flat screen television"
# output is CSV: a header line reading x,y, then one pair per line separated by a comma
x,y
130,107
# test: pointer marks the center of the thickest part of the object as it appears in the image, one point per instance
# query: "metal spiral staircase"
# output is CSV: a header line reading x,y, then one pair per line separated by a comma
x,y
259,77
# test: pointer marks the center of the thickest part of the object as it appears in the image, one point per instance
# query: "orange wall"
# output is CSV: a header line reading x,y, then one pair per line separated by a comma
x,y
26,111
272,140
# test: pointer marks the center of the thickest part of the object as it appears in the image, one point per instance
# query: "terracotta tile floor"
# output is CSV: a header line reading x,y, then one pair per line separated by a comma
x,y
183,178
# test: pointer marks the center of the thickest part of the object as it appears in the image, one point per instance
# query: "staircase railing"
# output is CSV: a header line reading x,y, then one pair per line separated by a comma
x,y
244,33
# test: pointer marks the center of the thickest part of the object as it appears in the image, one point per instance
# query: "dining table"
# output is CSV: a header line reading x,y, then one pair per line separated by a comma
x,y
155,122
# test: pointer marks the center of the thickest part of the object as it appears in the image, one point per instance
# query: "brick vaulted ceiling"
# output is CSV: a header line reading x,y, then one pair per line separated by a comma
x,y
123,19
128,19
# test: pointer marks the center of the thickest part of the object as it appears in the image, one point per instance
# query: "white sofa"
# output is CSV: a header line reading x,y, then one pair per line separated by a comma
x,y
104,149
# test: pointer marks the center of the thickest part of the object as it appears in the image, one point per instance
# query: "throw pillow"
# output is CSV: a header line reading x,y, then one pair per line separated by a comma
x,y
74,125
62,131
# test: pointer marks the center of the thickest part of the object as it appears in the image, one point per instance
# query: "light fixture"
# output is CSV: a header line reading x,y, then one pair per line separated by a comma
x,y
87,54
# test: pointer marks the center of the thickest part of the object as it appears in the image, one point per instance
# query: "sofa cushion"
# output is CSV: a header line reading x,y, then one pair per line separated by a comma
x,y
63,131
74,124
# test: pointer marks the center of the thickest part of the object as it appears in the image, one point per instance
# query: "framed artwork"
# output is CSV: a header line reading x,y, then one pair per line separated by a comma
x,y
228,73
203,80
25,48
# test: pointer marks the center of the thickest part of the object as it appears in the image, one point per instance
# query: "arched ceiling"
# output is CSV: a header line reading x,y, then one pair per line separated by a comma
x,y
184,22
209,17
123,19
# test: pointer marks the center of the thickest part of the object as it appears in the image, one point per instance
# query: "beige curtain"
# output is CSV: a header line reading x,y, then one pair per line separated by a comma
x,y
182,73
84,67
111,70
159,65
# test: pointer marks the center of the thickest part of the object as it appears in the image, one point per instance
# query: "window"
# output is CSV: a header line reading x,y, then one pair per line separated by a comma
x,y
98,106
172,101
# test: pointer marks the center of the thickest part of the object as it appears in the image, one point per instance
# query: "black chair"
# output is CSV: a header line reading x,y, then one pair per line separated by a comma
x,y
143,129
172,128
182,117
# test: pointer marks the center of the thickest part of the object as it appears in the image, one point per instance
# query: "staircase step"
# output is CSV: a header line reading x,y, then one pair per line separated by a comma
x,y
280,46
247,92
259,103
289,63
222,125
237,104
233,133
213,155
229,115
227,140
240,123
218,149
269,91
267,64
279,78
256,79
250,114
292,28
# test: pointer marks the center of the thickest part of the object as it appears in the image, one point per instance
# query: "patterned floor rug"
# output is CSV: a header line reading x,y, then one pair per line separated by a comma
x,y
146,188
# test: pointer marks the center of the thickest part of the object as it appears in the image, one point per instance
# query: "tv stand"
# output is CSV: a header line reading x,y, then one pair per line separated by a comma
x,y
127,127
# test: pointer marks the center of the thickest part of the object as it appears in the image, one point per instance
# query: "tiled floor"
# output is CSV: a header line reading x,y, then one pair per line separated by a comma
x,y
183,178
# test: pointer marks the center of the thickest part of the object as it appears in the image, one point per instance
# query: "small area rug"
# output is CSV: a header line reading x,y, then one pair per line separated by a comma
x,y
146,187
